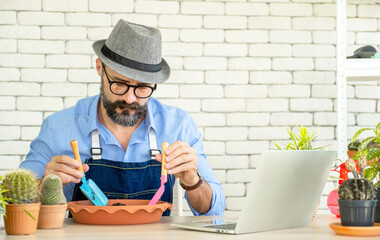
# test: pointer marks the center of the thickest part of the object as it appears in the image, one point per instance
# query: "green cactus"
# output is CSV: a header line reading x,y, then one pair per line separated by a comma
x,y
357,189
22,186
51,190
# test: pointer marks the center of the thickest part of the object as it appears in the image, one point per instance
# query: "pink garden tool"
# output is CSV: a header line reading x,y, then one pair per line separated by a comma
x,y
164,177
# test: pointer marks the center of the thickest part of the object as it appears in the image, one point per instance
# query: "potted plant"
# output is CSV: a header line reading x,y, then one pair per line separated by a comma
x,y
302,141
368,147
369,150
352,148
357,195
52,211
22,208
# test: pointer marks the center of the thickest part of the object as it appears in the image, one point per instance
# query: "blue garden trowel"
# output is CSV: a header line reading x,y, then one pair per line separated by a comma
x,y
89,187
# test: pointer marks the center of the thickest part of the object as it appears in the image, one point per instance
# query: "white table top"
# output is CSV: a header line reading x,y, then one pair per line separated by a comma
x,y
319,229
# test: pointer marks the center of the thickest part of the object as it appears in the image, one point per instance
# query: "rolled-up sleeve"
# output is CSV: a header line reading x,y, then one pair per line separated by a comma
x,y
204,169
217,203
40,150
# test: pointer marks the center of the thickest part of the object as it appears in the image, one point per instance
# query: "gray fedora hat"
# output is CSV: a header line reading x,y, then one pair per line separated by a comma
x,y
134,51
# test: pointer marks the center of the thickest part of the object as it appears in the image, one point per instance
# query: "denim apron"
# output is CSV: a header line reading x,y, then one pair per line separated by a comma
x,y
126,180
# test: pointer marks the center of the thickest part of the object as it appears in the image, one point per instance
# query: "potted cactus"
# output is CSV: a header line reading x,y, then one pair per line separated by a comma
x,y
357,195
52,211
22,208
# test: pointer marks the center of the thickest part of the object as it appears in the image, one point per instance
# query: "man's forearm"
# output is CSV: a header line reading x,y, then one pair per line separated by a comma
x,y
200,198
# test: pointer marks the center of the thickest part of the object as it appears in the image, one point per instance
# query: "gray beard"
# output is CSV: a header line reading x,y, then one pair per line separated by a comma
x,y
125,118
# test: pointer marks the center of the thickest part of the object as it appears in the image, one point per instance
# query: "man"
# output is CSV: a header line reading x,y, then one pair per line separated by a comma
x,y
119,130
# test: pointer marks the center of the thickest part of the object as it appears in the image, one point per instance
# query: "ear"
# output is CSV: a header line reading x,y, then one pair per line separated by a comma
x,y
99,68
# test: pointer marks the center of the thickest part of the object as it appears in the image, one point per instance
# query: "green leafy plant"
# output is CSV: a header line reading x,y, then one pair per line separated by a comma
x,y
353,146
369,149
302,141
51,190
3,200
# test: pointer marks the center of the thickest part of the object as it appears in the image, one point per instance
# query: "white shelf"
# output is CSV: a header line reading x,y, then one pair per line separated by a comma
x,y
363,69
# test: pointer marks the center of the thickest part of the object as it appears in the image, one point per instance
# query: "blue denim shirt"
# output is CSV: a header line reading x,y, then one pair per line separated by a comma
x,y
169,123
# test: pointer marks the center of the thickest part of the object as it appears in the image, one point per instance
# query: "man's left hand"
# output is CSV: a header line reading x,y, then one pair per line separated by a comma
x,y
182,161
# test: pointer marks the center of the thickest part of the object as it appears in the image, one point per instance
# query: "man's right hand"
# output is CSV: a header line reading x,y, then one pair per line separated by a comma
x,y
66,168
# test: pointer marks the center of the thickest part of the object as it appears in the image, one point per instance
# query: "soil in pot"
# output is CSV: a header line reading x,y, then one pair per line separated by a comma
x,y
118,204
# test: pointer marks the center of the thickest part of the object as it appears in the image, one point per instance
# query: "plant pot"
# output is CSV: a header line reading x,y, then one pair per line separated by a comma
x,y
52,216
377,212
18,222
357,212
351,153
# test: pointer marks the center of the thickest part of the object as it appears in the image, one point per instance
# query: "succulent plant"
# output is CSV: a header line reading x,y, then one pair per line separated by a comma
x,y
22,186
357,188
51,190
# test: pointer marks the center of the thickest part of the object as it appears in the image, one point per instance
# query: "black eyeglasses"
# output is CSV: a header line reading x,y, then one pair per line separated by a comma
x,y
121,88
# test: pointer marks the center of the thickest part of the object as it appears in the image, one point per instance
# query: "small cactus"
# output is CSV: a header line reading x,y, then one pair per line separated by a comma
x,y
22,186
51,190
357,189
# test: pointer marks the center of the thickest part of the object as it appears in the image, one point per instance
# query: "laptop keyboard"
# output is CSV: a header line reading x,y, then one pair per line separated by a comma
x,y
229,226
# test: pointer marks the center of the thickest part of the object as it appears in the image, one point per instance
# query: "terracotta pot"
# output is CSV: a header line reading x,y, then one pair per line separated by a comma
x,y
135,211
52,216
17,222
351,153
372,161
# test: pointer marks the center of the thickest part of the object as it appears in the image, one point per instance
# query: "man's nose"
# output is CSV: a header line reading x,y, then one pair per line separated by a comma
x,y
129,97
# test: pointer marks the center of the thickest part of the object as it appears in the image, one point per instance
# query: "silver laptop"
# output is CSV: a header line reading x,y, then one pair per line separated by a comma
x,y
284,193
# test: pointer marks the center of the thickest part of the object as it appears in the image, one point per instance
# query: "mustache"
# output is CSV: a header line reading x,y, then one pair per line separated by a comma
x,y
123,105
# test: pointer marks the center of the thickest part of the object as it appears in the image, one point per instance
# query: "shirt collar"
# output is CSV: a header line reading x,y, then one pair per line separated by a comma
x,y
141,135
149,119
93,119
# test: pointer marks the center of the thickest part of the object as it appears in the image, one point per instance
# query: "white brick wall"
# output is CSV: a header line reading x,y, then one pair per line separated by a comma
x,y
201,35
8,17
65,6
204,8
110,6
40,18
245,70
